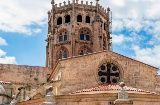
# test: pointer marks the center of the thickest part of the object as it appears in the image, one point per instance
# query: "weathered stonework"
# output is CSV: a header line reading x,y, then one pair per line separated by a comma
x,y
78,47
82,72
22,76
97,26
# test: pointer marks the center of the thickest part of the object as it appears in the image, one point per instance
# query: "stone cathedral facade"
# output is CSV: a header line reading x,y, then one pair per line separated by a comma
x,y
80,64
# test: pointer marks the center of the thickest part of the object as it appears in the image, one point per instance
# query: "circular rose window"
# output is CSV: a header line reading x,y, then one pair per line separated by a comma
x,y
109,73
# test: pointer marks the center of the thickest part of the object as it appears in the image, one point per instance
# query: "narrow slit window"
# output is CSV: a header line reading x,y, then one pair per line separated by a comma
x,y
65,54
60,37
60,55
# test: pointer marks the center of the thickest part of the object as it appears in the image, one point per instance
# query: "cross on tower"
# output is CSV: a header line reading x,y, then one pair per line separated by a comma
x,y
106,71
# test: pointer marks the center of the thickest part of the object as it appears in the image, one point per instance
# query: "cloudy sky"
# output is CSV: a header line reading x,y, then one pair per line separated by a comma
x,y
23,29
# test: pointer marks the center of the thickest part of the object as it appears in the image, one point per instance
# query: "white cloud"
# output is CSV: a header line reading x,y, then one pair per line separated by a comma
x,y
148,9
148,55
131,37
22,15
6,59
2,53
118,39
2,42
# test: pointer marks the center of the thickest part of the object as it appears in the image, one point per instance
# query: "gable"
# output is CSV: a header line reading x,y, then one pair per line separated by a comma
x,y
82,71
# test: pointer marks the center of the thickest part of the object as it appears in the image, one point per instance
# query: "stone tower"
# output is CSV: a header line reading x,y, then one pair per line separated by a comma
x,y
76,29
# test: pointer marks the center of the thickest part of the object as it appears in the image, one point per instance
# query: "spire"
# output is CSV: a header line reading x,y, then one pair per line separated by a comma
x,y
97,5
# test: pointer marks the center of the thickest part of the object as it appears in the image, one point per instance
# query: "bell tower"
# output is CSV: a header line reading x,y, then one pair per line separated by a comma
x,y
76,28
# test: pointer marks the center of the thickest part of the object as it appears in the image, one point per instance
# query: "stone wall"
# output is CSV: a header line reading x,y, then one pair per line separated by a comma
x,y
20,75
82,72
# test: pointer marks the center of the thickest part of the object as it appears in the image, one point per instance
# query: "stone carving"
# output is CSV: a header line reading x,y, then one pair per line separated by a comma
x,y
50,98
123,96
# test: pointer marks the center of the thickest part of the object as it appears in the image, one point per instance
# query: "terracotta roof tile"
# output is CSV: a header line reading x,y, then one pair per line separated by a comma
x,y
110,87
5,83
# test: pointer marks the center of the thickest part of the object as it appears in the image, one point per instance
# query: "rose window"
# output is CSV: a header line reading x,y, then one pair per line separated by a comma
x,y
109,73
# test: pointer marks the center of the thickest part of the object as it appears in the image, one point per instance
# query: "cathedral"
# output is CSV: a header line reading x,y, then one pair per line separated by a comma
x,y
81,68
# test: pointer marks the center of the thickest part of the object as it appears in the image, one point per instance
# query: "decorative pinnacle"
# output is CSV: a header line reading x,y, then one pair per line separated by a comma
x,y
52,2
50,88
49,12
108,9
68,2
82,2
122,85
91,2
77,1
64,3
97,1
60,4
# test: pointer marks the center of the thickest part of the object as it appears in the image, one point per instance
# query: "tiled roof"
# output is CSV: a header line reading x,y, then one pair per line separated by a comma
x,y
5,83
110,87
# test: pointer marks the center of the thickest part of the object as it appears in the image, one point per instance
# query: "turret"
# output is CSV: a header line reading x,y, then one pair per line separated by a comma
x,y
75,29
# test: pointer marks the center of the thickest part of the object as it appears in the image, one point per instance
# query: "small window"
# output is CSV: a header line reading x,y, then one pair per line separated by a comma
x,y
65,37
81,52
84,34
81,36
104,26
67,19
87,19
59,21
60,55
87,37
65,54
60,37
79,18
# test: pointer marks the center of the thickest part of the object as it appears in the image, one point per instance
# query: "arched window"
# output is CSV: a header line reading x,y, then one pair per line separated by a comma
x,y
79,18
60,37
65,54
87,19
59,21
60,55
63,36
109,73
67,19
87,36
84,34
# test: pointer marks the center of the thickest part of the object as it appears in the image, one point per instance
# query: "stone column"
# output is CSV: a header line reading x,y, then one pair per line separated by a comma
x,y
50,98
123,97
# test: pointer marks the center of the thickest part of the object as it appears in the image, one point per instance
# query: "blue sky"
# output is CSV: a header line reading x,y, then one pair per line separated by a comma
x,y
23,30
